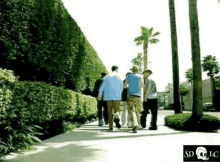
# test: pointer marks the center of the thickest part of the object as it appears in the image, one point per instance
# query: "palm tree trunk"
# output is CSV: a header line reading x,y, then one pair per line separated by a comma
x,y
192,94
145,55
195,49
175,62
145,62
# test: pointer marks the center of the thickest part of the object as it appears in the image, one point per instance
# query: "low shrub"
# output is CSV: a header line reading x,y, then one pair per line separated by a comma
x,y
69,126
207,123
15,135
34,111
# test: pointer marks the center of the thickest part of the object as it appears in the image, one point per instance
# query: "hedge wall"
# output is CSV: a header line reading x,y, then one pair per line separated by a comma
x,y
40,41
24,106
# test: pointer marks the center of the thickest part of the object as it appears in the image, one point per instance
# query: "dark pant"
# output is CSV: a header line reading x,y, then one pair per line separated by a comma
x,y
105,112
151,105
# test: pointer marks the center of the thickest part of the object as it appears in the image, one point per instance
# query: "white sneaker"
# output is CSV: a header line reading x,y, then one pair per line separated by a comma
x,y
100,122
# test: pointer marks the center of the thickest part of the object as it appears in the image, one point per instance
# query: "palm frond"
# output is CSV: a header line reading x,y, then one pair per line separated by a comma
x,y
144,28
138,40
155,34
139,43
153,41
144,31
150,32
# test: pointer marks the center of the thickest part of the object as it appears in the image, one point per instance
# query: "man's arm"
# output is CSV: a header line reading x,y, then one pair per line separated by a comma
x,y
125,85
96,89
146,94
121,87
101,89
147,87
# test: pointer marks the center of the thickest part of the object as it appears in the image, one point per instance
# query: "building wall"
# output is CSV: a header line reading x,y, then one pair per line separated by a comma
x,y
188,99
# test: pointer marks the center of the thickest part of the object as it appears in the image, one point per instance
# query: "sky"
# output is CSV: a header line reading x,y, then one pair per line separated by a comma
x,y
112,26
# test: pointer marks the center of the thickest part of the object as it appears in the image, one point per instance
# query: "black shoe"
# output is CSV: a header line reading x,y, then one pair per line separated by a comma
x,y
117,123
152,128
143,125
134,130
110,129
106,123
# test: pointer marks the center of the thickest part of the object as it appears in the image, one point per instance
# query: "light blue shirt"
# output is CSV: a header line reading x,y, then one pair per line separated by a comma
x,y
112,87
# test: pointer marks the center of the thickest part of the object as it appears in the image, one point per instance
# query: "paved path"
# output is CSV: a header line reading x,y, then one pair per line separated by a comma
x,y
91,143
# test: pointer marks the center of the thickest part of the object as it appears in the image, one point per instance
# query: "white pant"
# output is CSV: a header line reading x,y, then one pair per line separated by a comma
x,y
125,114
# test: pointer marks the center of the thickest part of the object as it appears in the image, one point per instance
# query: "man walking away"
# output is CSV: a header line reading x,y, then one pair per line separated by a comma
x,y
135,83
125,117
150,101
101,103
112,87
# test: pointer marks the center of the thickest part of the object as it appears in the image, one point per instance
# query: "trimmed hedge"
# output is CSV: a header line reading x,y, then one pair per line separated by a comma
x,y
40,41
184,122
14,134
32,109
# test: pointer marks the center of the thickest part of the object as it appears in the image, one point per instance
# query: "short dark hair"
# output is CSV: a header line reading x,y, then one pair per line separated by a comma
x,y
114,67
103,74
128,74
150,72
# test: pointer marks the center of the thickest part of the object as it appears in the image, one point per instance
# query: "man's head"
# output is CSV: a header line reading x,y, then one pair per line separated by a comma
x,y
115,68
103,75
146,73
134,69
127,74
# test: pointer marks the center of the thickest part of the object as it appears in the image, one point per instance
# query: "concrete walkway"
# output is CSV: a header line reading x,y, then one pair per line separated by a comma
x,y
91,143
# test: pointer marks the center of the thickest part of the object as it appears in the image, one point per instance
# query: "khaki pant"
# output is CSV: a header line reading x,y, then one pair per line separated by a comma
x,y
125,117
113,111
134,109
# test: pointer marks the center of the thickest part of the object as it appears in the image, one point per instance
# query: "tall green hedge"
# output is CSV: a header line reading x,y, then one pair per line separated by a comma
x,y
40,41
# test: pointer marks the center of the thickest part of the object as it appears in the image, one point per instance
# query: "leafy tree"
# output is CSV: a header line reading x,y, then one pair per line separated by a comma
x,y
164,95
210,65
175,61
183,92
197,73
189,75
138,61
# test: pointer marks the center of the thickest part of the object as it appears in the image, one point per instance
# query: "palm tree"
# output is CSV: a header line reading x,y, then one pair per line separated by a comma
x,y
147,36
175,62
196,61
